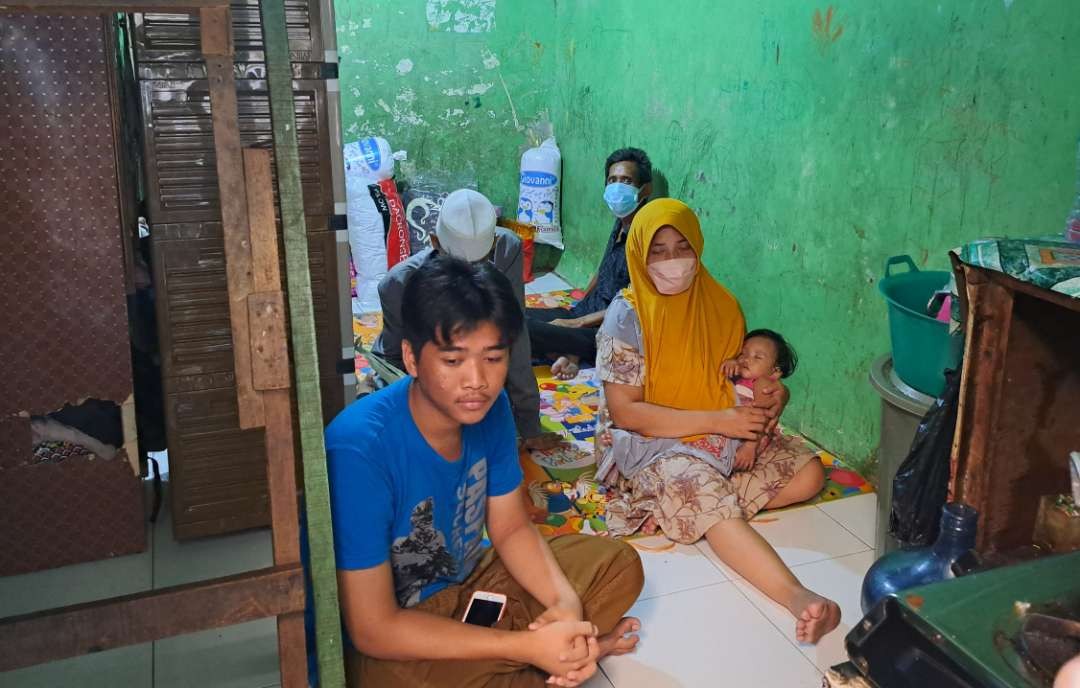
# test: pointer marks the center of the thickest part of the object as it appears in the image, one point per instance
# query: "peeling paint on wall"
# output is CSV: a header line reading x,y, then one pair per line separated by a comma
x,y
430,80
461,16
491,61
474,90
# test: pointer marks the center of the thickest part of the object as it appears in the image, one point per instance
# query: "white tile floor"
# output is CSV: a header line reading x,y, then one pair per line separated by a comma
x,y
243,656
708,628
702,624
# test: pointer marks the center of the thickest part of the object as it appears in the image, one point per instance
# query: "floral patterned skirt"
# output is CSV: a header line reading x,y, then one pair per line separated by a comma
x,y
687,496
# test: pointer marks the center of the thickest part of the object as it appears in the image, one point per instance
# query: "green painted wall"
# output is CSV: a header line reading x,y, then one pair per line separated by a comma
x,y
451,82
812,149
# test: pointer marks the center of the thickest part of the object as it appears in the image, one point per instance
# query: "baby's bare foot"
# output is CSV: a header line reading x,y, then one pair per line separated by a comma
x,y
649,527
745,456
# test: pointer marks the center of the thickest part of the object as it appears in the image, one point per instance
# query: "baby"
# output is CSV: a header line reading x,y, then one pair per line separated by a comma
x,y
764,354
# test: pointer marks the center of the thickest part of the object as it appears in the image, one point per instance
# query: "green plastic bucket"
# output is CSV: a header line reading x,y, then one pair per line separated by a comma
x,y
922,348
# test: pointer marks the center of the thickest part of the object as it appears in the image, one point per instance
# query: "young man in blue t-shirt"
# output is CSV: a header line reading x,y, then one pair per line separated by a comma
x,y
417,471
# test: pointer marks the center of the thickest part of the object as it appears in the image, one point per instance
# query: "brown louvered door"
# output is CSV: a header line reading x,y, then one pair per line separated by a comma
x,y
218,478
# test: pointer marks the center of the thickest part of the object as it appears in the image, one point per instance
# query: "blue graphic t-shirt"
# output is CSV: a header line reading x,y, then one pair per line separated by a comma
x,y
394,498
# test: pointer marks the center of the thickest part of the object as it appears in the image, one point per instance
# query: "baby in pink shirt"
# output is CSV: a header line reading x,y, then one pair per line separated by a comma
x,y
765,353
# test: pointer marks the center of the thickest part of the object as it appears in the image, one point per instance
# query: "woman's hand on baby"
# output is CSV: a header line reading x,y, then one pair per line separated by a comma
x,y
729,368
771,396
743,422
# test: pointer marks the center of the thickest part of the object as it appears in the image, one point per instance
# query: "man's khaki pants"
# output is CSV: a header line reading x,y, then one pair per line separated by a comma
x,y
606,574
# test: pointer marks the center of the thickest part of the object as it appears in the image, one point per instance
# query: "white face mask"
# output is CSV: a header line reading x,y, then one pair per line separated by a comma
x,y
673,276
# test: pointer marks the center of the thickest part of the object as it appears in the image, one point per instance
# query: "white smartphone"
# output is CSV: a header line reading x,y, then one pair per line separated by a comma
x,y
485,608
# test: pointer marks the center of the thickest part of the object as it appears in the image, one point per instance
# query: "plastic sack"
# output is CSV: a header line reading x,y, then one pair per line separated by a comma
x,y
368,225
423,196
921,485
538,193
378,237
527,234
397,239
1072,222
368,160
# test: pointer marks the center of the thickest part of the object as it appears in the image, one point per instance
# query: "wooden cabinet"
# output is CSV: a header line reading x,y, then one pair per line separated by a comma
x,y
1019,410
65,239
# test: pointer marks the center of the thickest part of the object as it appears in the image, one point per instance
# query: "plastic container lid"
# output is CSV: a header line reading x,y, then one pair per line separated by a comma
x,y
893,390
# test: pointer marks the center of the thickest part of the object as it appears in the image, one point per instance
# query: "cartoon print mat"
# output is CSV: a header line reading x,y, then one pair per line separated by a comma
x,y
563,497
562,298
366,328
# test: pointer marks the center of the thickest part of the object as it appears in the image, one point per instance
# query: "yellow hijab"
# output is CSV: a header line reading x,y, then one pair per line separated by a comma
x,y
686,336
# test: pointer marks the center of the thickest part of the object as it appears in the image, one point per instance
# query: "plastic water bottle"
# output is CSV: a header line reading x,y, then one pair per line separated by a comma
x,y
908,568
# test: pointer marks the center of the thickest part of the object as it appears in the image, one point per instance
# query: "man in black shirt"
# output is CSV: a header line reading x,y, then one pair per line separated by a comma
x,y
569,336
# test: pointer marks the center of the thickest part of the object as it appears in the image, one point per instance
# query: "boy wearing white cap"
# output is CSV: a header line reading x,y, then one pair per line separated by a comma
x,y
466,229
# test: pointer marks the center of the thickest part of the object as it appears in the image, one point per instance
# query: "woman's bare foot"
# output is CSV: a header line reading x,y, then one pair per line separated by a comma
x,y
566,367
814,616
619,641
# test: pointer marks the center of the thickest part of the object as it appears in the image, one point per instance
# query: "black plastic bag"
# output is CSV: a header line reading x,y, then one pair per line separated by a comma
x,y
922,481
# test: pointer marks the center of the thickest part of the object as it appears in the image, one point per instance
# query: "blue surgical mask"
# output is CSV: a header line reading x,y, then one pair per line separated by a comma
x,y
621,198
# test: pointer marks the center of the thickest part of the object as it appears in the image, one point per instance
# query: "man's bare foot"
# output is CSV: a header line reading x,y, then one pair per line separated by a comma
x,y
814,616
618,642
543,441
649,527
566,367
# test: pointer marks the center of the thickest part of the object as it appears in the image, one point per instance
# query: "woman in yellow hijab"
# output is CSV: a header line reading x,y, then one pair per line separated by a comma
x,y
675,420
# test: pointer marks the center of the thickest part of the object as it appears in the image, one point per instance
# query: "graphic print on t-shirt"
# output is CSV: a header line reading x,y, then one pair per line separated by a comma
x,y
423,557
420,557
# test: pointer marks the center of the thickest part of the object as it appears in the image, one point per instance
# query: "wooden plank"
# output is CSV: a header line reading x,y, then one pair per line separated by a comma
x,y
285,533
966,316
281,476
269,348
265,259
234,219
292,650
266,307
270,355
215,31
270,371
131,433
110,6
81,629
304,352
981,387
